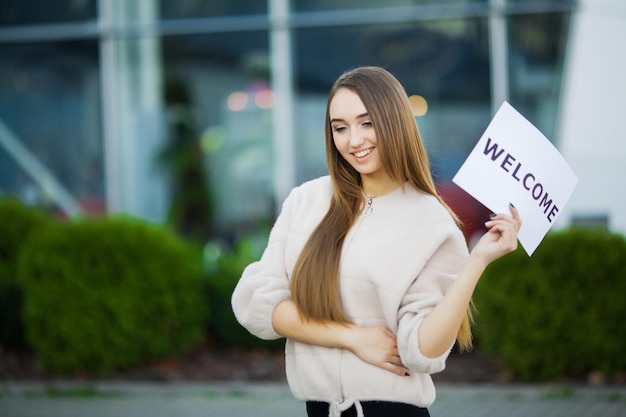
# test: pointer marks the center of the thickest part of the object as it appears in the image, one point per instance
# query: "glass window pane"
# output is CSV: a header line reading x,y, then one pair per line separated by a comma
x,y
28,12
218,91
316,5
542,4
50,99
193,8
536,52
446,62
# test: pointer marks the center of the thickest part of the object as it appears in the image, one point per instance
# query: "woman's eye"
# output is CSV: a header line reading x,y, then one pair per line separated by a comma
x,y
367,124
339,129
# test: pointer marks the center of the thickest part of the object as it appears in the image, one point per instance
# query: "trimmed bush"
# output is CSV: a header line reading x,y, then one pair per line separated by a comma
x,y
109,293
17,223
225,268
559,313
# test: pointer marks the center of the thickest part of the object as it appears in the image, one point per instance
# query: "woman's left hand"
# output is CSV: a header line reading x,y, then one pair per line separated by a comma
x,y
440,327
377,346
501,236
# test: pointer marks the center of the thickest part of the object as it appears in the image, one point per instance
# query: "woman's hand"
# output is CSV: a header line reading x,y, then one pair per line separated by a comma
x,y
377,346
374,345
440,327
500,238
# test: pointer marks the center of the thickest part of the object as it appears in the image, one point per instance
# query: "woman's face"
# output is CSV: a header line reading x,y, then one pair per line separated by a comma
x,y
353,132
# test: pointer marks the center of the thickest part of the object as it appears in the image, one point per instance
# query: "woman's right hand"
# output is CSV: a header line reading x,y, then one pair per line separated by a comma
x,y
377,346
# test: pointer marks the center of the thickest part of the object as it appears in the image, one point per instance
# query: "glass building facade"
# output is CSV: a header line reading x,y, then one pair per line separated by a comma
x,y
120,105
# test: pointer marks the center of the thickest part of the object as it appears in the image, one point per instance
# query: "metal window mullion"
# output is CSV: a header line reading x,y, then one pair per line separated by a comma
x,y
282,84
113,171
222,24
498,45
49,32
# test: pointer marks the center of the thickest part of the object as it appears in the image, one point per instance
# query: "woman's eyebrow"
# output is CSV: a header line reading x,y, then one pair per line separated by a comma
x,y
360,116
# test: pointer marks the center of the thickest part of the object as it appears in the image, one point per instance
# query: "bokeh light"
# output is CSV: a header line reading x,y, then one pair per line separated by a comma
x,y
418,105
264,98
237,101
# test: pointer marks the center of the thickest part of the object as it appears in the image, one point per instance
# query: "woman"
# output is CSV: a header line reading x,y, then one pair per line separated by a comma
x,y
366,272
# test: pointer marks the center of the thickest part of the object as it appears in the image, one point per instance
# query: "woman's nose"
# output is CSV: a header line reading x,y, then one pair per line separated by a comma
x,y
356,138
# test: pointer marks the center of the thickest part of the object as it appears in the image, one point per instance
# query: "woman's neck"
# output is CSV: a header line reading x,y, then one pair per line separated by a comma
x,y
378,186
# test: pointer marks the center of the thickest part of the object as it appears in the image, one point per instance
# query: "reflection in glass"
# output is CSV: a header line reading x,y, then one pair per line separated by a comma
x,y
217,91
314,5
225,79
193,8
536,53
443,65
30,12
446,62
49,98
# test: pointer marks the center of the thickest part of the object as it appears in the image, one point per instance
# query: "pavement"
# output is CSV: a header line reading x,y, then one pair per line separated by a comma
x,y
238,399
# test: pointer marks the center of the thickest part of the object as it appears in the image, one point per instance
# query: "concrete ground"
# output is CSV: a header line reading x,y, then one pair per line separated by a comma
x,y
124,399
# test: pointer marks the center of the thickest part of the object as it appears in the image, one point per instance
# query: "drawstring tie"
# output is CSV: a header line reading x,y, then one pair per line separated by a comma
x,y
336,408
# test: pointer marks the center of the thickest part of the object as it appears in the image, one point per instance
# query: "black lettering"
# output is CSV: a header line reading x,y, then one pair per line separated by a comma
x,y
495,153
525,178
545,203
515,172
552,213
529,181
507,162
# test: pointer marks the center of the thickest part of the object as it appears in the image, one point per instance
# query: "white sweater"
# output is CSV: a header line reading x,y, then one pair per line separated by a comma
x,y
396,265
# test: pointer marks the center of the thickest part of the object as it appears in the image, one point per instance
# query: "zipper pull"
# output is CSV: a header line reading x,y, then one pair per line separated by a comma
x,y
368,207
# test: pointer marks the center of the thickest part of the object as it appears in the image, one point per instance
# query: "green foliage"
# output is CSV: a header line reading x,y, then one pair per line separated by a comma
x,y
17,223
191,211
559,313
108,293
224,270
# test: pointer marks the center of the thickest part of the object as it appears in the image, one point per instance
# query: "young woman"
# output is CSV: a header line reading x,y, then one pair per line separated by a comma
x,y
366,272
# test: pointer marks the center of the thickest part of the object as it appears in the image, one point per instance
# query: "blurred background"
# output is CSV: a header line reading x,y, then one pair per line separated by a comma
x,y
124,106
202,115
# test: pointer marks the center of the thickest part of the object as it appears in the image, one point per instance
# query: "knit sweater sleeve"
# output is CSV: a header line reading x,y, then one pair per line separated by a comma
x,y
440,269
264,284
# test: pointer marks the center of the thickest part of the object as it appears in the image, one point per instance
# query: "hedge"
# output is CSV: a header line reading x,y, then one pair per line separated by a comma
x,y
17,223
225,267
559,313
109,293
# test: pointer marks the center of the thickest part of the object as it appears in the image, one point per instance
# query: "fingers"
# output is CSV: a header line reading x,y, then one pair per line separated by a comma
x,y
395,365
503,229
380,349
393,362
503,222
516,216
515,213
501,237
398,370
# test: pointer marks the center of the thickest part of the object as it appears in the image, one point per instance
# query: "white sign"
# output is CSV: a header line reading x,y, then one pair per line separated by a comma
x,y
513,162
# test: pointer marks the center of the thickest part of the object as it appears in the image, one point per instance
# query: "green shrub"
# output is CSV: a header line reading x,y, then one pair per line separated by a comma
x,y
17,223
224,270
559,313
109,293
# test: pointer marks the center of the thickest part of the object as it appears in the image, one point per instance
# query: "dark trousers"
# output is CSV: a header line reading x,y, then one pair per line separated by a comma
x,y
370,409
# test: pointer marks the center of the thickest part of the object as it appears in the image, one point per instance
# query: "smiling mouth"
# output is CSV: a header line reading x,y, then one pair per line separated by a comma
x,y
363,153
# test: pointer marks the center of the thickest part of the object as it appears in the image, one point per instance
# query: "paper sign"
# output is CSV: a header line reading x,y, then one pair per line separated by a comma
x,y
513,162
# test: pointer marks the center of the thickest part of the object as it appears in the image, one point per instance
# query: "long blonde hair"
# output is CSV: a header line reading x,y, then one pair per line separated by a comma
x,y
315,278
